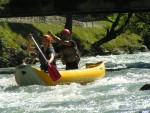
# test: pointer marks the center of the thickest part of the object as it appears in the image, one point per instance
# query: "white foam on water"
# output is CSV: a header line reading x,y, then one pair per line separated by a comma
x,y
117,92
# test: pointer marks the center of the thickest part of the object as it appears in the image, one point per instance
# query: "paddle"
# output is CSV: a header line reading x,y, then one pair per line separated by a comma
x,y
52,71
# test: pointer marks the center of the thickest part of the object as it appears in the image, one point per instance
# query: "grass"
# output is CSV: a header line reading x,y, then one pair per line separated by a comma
x,y
124,42
8,36
16,34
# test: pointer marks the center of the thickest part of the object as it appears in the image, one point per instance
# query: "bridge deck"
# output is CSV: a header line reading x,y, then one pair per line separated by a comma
x,y
20,8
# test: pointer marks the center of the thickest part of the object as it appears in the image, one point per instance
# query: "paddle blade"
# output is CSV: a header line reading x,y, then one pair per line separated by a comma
x,y
53,72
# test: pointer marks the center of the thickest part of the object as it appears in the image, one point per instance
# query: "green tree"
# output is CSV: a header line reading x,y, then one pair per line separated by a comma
x,y
2,2
140,24
118,27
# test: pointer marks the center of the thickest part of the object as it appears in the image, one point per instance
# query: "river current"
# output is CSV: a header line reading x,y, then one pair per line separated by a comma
x,y
118,92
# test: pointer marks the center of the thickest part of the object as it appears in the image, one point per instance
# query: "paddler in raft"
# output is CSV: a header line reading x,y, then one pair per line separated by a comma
x,y
46,48
68,50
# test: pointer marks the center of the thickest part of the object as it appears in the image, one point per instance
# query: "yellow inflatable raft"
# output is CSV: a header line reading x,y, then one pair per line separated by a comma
x,y
29,75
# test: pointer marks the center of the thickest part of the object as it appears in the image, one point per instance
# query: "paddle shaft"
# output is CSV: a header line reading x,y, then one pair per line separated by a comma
x,y
39,48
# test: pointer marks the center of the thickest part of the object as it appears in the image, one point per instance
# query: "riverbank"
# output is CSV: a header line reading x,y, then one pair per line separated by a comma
x,y
14,34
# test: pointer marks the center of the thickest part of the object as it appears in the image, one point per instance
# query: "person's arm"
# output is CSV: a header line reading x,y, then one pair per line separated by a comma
x,y
30,48
58,40
52,55
66,43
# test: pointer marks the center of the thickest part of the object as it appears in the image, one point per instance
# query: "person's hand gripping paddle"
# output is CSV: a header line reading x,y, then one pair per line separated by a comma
x,y
52,71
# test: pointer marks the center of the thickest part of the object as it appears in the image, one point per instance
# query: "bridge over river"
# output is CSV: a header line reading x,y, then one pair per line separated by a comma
x,y
24,8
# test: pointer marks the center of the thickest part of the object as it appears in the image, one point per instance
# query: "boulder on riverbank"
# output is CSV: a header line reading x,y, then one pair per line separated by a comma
x,y
11,58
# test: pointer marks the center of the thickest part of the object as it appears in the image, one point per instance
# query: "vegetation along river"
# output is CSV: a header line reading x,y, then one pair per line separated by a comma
x,y
117,92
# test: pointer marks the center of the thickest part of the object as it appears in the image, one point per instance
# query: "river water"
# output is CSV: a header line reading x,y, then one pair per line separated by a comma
x,y
117,92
